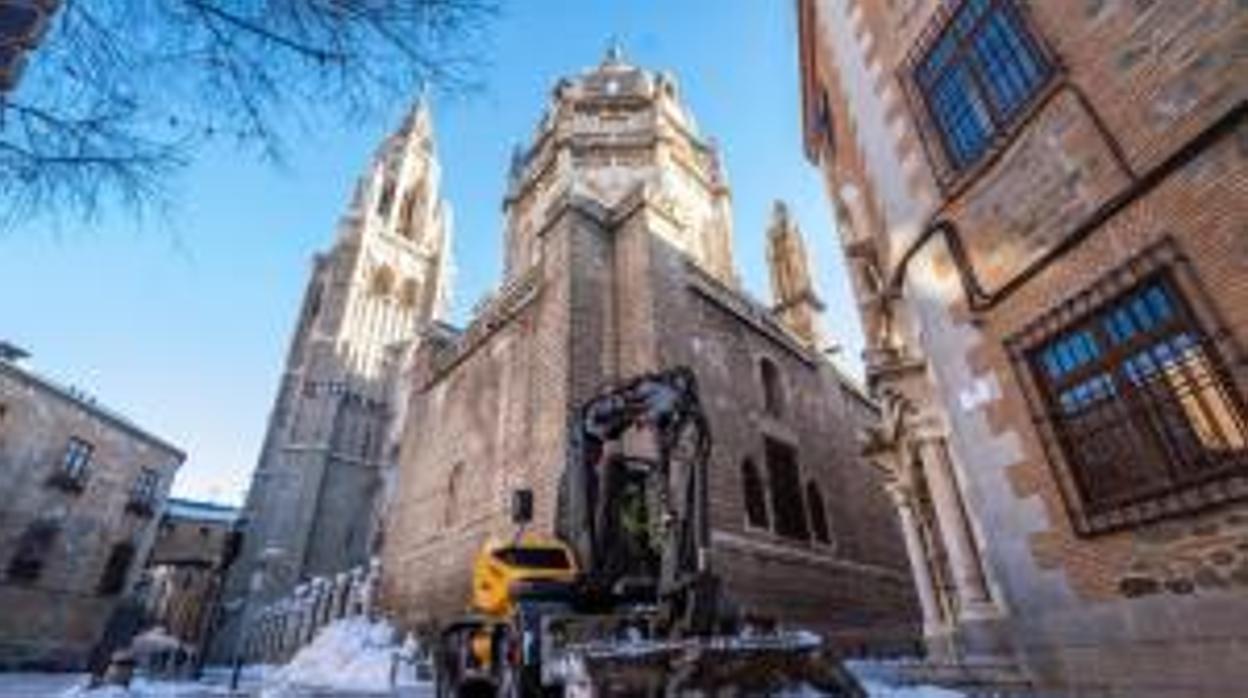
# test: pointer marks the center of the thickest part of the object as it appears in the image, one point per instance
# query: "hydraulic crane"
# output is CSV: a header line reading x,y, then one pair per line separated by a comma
x,y
624,593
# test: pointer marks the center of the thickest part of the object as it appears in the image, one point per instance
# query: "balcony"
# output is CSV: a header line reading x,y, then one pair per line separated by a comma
x,y
67,482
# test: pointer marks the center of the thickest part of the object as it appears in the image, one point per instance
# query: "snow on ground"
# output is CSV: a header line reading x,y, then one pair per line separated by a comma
x,y
145,688
37,685
875,689
351,654
878,677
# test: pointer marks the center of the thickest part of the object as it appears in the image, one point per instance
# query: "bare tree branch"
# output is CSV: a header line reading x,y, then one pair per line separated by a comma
x,y
122,92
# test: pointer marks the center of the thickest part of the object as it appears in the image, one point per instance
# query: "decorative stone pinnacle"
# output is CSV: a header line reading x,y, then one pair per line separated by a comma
x,y
615,52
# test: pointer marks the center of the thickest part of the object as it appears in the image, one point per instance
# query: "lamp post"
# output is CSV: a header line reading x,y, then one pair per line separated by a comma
x,y
255,586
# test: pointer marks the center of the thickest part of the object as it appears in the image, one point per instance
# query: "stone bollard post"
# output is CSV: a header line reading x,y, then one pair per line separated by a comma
x,y
356,593
342,590
326,601
309,618
289,628
314,606
372,588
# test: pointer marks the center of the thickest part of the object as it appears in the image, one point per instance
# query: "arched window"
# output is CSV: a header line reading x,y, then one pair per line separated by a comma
x,y
755,495
818,515
314,301
32,551
773,391
408,293
405,214
387,196
383,281
113,580
785,481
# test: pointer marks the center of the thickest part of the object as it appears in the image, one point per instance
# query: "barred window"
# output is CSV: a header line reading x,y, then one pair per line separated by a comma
x,y
1141,402
976,72
144,489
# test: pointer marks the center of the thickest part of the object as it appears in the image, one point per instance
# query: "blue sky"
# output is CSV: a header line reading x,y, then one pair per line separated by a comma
x,y
183,325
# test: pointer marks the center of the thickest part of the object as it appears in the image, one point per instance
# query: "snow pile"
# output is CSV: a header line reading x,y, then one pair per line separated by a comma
x,y
876,689
881,679
142,688
352,653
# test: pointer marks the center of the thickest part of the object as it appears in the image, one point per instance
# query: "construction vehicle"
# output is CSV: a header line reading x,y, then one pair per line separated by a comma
x,y
623,598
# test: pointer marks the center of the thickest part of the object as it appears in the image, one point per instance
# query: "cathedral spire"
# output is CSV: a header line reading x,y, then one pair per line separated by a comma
x,y
797,304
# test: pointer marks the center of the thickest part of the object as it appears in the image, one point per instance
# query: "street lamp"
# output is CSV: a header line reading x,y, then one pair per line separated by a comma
x,y
255,586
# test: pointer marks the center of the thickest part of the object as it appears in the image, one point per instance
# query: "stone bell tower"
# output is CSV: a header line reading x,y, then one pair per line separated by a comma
x,y
797,305
312,506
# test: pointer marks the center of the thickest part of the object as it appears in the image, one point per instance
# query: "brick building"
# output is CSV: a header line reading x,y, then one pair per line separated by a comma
x,y
618,261
1044,205
186,567
83,488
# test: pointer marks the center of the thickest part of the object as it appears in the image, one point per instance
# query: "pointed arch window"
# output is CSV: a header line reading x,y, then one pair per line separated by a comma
x,y
408,293
755,495
785,479
387,196
383,281
773,390
818,514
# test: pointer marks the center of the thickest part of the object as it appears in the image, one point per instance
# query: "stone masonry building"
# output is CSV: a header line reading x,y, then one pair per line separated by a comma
x,y
313,502
1044,208
83,490
185,571
619,261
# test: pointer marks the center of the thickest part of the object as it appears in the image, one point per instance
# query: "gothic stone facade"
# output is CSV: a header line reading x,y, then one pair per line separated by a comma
x,y
82,490
1044,204
315,494
618,262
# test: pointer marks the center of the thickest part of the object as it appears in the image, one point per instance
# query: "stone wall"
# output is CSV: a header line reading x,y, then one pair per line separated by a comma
x,y
615,300
54,620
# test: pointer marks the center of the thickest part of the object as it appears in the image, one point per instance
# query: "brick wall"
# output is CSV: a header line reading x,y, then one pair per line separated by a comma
x,y
615,300
1065,200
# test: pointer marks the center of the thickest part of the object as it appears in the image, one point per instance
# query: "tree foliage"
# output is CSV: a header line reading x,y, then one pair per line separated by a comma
x,y
120,93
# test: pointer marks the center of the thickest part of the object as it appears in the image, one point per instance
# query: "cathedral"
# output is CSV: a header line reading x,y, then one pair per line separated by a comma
x,y
395,434
618,260
313,505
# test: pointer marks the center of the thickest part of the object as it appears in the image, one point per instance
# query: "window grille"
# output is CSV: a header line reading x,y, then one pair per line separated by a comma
x,y
976,70
75,465
77,458
1140,404
144,490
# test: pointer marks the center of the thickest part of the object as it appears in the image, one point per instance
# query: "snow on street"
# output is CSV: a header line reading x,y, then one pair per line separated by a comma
x,y
350,658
